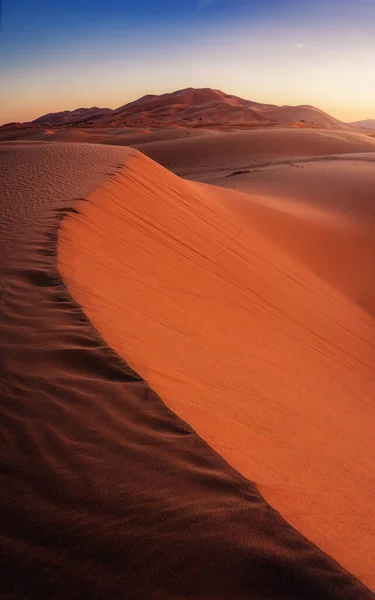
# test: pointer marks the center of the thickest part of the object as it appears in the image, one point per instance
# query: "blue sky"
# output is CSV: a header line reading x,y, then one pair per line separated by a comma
x,y
61,54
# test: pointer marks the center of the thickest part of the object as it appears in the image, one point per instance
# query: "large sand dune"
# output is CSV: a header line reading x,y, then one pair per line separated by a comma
x,y
104,492
189,107
270,360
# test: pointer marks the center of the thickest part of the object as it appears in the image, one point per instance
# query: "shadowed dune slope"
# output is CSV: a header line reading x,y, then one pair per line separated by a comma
x,y
196,156
104,492
272,365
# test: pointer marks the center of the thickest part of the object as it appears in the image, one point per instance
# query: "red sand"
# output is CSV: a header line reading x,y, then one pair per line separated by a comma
x,y
104,492
270,362
187,108
203,158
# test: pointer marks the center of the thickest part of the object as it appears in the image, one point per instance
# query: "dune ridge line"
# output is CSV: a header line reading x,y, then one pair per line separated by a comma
x,y
218,287
104,492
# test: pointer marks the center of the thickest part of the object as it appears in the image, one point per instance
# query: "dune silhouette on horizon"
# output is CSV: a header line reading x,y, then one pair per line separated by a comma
x,y
190,107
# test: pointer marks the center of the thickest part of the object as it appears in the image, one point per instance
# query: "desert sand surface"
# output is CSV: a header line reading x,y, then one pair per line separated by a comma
x,y
327,206
365,125
114,136
249,141
107,493
258,313
202,159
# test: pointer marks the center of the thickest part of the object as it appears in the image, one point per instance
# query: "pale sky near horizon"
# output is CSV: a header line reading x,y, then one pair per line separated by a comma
x,y
55,56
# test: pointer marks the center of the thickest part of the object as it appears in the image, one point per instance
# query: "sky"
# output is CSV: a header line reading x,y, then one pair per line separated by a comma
x,y
65,54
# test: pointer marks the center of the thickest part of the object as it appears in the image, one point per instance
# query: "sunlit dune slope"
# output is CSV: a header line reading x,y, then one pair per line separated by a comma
x,y
328,207
272,364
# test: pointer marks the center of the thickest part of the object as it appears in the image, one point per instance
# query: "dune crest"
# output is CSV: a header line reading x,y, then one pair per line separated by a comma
x,y
104,491
270,363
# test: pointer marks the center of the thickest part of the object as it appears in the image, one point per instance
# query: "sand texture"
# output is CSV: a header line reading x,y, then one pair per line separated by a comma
x,y
258,315
104,492
256,142
226,152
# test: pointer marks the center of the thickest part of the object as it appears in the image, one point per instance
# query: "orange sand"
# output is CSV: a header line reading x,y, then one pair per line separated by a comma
x,y
270,358
104,491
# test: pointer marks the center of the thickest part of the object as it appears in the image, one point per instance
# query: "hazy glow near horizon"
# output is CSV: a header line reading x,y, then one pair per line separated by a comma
x,y
55,56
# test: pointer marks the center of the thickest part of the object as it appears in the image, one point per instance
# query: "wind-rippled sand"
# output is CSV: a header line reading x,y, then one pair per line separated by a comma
x,y
106,493
258,315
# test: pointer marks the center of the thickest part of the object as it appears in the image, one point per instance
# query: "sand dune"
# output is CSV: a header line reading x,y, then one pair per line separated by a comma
x,y
71,116
304,114
205,157
268,361
192,112
104,492
115,136
367,124
191,108
328,208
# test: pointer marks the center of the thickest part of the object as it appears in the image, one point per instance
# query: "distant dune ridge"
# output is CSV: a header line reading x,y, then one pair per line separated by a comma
x,y
71,116
188,108
366,124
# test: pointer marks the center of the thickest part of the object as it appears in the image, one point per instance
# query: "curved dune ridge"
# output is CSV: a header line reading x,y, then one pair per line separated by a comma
x,y
104,492
269,362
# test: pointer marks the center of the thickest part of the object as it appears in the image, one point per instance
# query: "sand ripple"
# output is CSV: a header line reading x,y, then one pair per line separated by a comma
x,y
104,492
